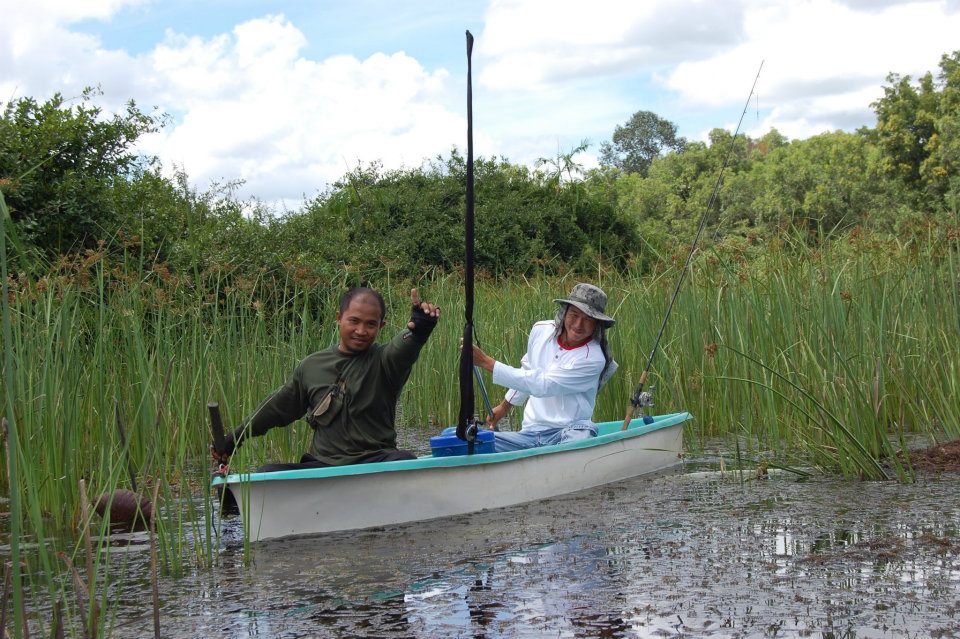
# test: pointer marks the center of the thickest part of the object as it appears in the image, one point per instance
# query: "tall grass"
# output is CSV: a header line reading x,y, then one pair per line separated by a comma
x,y
829,356
12,433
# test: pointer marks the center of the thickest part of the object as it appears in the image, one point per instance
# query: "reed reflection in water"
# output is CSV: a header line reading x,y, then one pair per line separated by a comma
x,y
695,552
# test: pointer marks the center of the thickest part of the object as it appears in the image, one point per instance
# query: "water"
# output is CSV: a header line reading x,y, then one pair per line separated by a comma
x,y
693,553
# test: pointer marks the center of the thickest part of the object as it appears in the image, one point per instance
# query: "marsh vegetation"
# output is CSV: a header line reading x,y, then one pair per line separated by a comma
x,y
817,330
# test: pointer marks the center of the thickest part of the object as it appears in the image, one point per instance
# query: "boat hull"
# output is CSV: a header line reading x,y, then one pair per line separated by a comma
x,y
315,501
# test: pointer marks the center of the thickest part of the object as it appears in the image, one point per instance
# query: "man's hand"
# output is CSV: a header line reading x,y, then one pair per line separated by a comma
x,y
426,308
423,316
499,412
222,459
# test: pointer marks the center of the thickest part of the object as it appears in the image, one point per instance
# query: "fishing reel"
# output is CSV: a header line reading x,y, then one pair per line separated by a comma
x,y
646,398
643,401
468,433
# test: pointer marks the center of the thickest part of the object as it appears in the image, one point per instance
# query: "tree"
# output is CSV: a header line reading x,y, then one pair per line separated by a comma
x,y
905,125
58,164
918,132
942,169
563,168
826,183
636,144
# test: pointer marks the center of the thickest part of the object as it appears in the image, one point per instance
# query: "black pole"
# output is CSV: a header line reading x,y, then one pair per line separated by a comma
x,y
466,429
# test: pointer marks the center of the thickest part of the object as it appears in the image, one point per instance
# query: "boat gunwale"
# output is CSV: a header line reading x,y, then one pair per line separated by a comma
x,y
636,429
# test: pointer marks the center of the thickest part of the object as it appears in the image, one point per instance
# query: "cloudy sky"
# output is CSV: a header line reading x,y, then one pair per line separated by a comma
x,y
288,95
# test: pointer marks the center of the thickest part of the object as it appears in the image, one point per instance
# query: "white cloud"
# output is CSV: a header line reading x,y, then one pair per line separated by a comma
x,y
824,61
248,102
40,54
532,43
254,109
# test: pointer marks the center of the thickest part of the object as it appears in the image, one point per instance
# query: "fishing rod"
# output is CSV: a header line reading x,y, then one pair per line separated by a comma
x,y
642,399
483,391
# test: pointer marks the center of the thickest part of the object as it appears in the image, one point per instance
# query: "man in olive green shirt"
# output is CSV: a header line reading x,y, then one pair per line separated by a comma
x,y
348,393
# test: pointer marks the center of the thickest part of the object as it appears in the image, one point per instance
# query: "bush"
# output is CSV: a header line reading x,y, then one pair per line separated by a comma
x,y
58,165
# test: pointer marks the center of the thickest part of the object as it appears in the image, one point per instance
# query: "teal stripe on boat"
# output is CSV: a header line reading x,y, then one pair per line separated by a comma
x,y
607,432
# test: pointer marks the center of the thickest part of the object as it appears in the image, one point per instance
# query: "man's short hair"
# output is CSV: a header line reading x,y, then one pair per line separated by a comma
x,y
363,291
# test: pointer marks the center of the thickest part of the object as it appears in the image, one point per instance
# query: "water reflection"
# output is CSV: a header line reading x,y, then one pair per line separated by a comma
x,y
698,554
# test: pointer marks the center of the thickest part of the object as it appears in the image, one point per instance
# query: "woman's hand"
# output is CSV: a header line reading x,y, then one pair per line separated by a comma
x,y
480,358
499,412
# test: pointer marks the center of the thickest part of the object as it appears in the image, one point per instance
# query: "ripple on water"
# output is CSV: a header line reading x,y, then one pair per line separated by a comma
x,y
702,554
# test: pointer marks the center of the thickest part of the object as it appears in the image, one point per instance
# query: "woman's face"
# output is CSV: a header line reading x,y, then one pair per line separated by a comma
x,y
578,327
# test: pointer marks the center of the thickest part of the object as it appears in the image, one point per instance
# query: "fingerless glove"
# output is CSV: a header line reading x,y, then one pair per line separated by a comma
x,y
423,323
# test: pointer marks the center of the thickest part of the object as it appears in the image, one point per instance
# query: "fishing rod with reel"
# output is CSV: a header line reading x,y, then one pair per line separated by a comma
x,y
467,424
642,399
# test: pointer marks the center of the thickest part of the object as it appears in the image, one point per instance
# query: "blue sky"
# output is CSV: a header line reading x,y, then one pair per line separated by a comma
x,y
287,95
361,27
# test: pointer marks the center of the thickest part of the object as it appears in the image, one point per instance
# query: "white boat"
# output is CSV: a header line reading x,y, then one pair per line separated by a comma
x,y
305,502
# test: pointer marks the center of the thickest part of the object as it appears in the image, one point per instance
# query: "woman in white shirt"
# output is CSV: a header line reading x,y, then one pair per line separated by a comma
x,y
566,362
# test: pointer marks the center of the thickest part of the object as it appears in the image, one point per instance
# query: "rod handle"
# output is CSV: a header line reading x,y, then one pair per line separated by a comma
x,y
216,428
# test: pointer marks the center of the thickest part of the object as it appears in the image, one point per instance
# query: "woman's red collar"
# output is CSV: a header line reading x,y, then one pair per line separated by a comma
x,y
575,346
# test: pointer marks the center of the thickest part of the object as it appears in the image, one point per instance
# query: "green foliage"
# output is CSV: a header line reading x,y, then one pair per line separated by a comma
x,y
636,144
411,221
905,125
888,179
828,182
918,130
58,164
944,168
668,203
73,181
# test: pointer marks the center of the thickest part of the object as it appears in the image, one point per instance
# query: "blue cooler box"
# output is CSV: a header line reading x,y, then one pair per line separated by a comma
x,y
447,444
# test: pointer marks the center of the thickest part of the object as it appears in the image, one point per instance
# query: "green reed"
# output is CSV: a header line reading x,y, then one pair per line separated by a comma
x,y
12,435
825,356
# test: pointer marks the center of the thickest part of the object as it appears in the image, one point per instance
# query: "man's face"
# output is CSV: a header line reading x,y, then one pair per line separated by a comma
x,y
578,327
359,324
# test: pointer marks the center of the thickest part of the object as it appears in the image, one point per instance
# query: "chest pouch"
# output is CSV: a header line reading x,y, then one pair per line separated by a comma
x,y
329,406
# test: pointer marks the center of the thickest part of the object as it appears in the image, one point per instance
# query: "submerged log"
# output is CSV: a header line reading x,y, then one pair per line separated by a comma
x,y
121,508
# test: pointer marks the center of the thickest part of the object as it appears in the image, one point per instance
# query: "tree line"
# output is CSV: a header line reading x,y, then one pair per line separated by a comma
x,y
73,182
